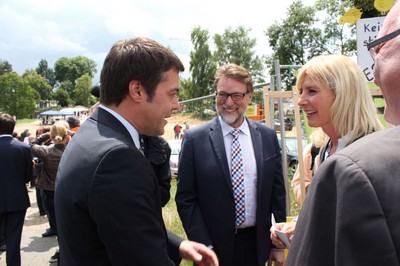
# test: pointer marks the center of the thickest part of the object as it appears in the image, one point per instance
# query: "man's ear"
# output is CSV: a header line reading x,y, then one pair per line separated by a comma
x,y
135,90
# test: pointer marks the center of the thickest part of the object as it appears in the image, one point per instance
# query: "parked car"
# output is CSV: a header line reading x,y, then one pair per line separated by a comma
x,y
288,125
175,146
292,155
277,124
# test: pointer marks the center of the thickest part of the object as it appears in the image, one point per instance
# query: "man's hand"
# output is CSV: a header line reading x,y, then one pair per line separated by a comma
x,y
198,253
287,228
277,256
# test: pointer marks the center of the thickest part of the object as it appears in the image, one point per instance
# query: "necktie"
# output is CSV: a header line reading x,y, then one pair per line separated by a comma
x,y
237,176
141,149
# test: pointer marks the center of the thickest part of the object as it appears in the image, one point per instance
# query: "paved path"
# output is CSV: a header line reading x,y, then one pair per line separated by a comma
x,y
35,249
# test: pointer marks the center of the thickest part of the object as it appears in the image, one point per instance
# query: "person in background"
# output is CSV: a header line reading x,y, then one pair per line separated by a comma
x,y
15,135
74,123
24,134
177,131
16,172
311,159
107,194
50,157
225,197
158,152
185,128
42,138
335,97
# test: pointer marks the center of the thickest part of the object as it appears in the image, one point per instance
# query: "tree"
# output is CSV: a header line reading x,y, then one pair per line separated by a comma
x,y
299,36
296,38
335,38
70,69
234,46
17,97
367,8
39,84
46,72
202,67
82,94
5,67
61,95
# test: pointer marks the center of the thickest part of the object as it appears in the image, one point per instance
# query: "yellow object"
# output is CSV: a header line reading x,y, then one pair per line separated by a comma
x,y
383,5
351,16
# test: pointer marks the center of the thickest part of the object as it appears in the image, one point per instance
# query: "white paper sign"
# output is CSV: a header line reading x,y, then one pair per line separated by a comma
x,y
367,30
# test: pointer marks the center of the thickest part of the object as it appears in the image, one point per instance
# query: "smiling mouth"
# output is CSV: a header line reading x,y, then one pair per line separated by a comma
x,y
230,110
310,112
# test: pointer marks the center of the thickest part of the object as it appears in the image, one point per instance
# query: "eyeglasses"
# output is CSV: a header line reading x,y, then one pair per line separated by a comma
x,y
222,96
371,46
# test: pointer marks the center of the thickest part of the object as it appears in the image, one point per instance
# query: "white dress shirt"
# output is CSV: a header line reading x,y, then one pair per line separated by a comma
x,y
132,131
249,168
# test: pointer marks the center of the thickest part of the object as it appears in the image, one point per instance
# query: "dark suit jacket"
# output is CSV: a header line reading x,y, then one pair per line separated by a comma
x,y
107,200
351,213
15,172
205,198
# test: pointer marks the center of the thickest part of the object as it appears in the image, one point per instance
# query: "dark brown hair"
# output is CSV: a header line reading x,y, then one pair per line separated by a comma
x,y
139,59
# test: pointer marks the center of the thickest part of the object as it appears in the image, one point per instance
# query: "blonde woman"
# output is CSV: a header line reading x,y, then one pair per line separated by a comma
x,y
50,157
335,97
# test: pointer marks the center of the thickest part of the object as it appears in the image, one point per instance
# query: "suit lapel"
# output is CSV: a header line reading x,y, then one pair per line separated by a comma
x,y
217,143
258,146
102,116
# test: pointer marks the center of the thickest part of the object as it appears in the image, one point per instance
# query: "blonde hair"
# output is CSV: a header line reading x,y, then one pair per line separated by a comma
x,y
319,138
58,133
353,111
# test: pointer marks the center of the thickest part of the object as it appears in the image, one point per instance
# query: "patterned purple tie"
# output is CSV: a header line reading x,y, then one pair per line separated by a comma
x,y
237,177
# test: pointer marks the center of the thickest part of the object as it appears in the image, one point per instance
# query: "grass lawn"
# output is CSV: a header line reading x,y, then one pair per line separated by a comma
x,y
171,218
173,223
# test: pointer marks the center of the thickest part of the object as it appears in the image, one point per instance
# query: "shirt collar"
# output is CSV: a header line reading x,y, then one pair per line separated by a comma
x,y
132,131
226,129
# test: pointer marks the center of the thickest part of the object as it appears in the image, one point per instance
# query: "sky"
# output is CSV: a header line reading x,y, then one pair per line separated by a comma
x,y
44,29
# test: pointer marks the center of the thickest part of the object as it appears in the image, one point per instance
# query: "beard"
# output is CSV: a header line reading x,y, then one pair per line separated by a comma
x,y
230,118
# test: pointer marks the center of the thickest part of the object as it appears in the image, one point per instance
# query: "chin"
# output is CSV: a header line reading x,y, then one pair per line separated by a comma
x,y
230,119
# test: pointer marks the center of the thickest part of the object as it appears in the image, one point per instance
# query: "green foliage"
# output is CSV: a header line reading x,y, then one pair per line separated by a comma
x,y
62,96
202,66
234,46
171,217
294,36
367,7
294,206
82,93
17,97
70,69
336,37
299,36
39,84
46,72
5,67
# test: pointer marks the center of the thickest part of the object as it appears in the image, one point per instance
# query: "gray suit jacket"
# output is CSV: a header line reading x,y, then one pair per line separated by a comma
x,y
205,198
107,200
351,214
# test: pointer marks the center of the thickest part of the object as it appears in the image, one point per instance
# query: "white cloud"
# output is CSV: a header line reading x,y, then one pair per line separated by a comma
x,y
44,29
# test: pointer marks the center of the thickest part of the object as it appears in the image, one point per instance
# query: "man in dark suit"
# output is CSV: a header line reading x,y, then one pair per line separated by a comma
x,y
351,214
16,171
108,203
208,198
